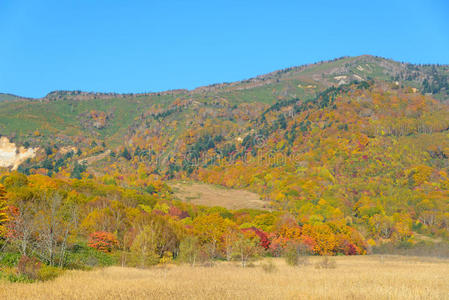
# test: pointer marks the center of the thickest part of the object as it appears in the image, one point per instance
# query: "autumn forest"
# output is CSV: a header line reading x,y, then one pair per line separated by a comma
x,y
355,163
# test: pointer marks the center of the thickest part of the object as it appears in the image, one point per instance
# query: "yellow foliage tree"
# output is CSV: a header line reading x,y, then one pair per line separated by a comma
x,y
3,209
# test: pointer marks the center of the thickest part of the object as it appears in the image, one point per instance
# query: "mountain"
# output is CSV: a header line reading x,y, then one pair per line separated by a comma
x,y
61,111
359,140
428,78
9,97
75,118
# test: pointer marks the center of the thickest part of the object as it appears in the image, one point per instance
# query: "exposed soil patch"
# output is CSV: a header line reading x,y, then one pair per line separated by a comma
x,y
209,195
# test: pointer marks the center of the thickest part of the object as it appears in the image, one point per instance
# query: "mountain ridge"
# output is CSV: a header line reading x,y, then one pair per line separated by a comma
x,y
393,68
356,142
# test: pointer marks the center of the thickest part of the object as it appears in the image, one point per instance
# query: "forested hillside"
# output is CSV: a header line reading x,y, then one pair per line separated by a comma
x,y
349,156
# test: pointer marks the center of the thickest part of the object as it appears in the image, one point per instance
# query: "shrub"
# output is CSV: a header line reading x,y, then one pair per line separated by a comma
x,y
29,267
9,259
296,254
421,248
291,255
166,258
269,267
103,241
326,263
48,273
91,259
83,257
12,275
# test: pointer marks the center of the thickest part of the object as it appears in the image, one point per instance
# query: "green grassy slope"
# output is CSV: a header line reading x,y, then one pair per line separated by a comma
x,y
63,113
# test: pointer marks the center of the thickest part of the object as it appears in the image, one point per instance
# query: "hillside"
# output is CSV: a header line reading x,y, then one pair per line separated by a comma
x,y
301,82
208,195
357,146
9,97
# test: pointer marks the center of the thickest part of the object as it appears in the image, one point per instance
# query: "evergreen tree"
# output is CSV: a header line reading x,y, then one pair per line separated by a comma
x,y
125,154
137,152
78,170
282,121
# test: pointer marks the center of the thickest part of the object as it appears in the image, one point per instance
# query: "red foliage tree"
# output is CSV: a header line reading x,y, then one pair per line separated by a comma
x,y
263,238
103,241
176,212
346,247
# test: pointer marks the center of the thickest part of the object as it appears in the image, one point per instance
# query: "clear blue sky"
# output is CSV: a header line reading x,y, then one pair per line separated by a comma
x,y
138,46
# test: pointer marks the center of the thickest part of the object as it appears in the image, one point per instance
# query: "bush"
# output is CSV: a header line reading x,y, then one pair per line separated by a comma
x,y
296,254
269,267
326,263
83,257
9,259
167,258
421,248
48,273
11,275
142,260
291,255
29,267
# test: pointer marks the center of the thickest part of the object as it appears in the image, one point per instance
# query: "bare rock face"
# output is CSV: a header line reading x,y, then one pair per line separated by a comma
x,y
11,156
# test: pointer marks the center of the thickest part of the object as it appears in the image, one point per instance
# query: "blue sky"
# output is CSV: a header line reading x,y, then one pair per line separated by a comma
x,y
138,46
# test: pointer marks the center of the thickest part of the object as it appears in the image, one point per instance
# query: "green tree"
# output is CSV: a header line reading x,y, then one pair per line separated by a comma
x,y
245,248
144,246
125,154
189,250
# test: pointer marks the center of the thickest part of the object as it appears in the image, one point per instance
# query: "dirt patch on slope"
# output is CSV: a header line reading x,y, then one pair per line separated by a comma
x,y
209,195
91,159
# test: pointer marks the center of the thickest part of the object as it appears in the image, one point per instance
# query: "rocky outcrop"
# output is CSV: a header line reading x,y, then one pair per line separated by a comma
x,y
11,156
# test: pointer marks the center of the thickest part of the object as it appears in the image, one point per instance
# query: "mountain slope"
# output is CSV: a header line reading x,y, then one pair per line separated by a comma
x,y
9,97
67,113
356,141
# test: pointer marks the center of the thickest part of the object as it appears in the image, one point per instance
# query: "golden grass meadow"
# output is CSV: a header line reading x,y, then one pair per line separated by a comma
x,y
358,277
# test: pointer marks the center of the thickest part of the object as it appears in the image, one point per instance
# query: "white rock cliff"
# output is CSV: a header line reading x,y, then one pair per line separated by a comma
x,y
11,156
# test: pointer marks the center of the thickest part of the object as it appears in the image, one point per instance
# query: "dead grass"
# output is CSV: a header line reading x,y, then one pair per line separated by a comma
x,y
369,277
210,195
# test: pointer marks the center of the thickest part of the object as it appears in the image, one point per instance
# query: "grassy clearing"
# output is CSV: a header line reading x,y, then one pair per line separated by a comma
x,y
209,195
369,277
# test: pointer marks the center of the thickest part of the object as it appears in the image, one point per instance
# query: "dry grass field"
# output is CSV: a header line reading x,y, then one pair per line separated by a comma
x,y
210,195
369,277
